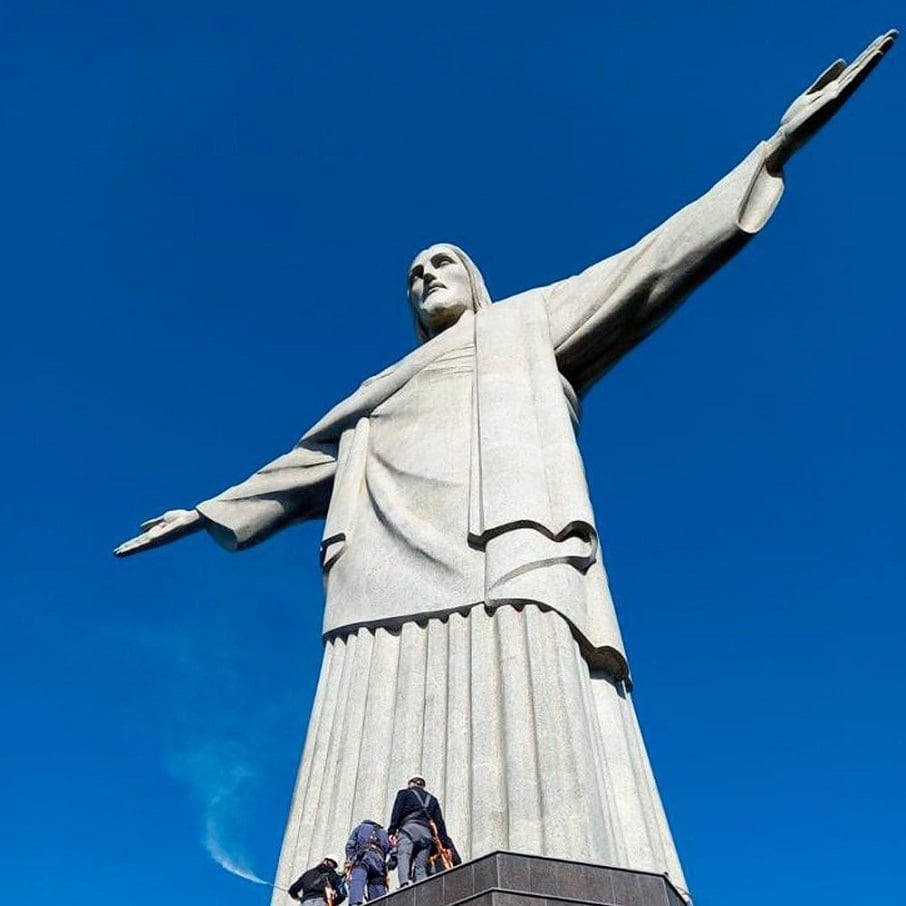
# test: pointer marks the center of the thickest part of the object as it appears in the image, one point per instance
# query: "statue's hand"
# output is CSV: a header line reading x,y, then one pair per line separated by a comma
x,y
827,94
162,530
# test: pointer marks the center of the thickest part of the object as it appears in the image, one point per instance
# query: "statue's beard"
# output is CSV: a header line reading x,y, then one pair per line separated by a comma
x,y
439,311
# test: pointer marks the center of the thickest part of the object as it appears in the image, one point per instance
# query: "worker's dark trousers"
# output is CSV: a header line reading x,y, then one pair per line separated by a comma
x,y
412,852
367,871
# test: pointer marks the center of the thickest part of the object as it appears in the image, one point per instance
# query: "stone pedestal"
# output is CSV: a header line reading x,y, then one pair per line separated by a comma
x,y
510,879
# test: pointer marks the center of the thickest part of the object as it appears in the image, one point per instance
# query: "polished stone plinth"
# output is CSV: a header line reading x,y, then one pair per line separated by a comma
x,y
510,879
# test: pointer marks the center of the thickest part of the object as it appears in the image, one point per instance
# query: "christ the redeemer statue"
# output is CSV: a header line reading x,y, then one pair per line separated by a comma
x,y
469,632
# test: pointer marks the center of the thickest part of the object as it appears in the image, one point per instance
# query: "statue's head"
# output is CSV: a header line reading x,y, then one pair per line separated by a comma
x,y
443,284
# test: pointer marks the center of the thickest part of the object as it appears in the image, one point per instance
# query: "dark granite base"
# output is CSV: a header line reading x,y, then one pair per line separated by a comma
x,y
510,879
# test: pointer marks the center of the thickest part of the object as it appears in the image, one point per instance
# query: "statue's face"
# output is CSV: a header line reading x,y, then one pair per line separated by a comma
x,y
439,288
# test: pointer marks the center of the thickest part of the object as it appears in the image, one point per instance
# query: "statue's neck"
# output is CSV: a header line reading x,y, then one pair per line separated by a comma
x,y
463,319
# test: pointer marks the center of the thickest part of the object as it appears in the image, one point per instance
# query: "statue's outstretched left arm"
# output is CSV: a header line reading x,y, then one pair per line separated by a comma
x,y
602,313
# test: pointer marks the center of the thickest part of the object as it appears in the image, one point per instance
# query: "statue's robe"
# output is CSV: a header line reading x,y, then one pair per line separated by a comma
x,y
470,635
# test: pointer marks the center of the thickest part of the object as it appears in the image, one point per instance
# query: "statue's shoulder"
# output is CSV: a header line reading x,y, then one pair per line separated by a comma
x,y
524,307
526,298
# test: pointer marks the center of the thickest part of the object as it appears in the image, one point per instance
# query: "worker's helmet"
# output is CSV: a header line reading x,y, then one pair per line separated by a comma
x,y
334,859
417,781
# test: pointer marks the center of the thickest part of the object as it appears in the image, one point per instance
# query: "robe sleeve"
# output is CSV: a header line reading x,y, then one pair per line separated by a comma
x,y
600,314
293,487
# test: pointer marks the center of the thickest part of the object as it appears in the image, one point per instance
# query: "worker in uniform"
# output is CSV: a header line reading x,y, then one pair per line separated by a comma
x,y
369,856
321,885
414,823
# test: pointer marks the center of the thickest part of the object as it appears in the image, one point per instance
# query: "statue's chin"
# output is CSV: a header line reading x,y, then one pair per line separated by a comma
x,y
438,317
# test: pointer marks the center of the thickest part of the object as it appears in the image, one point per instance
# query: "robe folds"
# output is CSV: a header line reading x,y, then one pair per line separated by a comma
x,y
458,525
529,526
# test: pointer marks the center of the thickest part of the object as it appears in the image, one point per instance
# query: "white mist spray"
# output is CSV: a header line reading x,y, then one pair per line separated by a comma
x,y
216,851
219,726
219,777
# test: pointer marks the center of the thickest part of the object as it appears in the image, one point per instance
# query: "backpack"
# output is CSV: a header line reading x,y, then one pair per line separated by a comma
x,y
373,842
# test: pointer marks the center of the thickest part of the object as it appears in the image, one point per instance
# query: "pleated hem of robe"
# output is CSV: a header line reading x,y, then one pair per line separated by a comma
x,y
526,748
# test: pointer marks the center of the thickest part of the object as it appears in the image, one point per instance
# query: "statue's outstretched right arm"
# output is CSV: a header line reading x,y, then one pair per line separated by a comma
x,y
293,487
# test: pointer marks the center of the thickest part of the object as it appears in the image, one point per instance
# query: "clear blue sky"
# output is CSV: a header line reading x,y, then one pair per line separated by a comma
x,y
209,208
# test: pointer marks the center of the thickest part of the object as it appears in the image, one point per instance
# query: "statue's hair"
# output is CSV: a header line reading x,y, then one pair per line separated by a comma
x,y
481,298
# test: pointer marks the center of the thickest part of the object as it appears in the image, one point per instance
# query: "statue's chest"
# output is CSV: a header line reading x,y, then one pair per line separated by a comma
x,y
424,430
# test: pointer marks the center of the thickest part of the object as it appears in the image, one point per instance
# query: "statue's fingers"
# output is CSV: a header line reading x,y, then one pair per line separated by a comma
x,y
131,546
867,52
860,62
828,75
149,537
885,42
882,42
853,78
881,45
150,523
